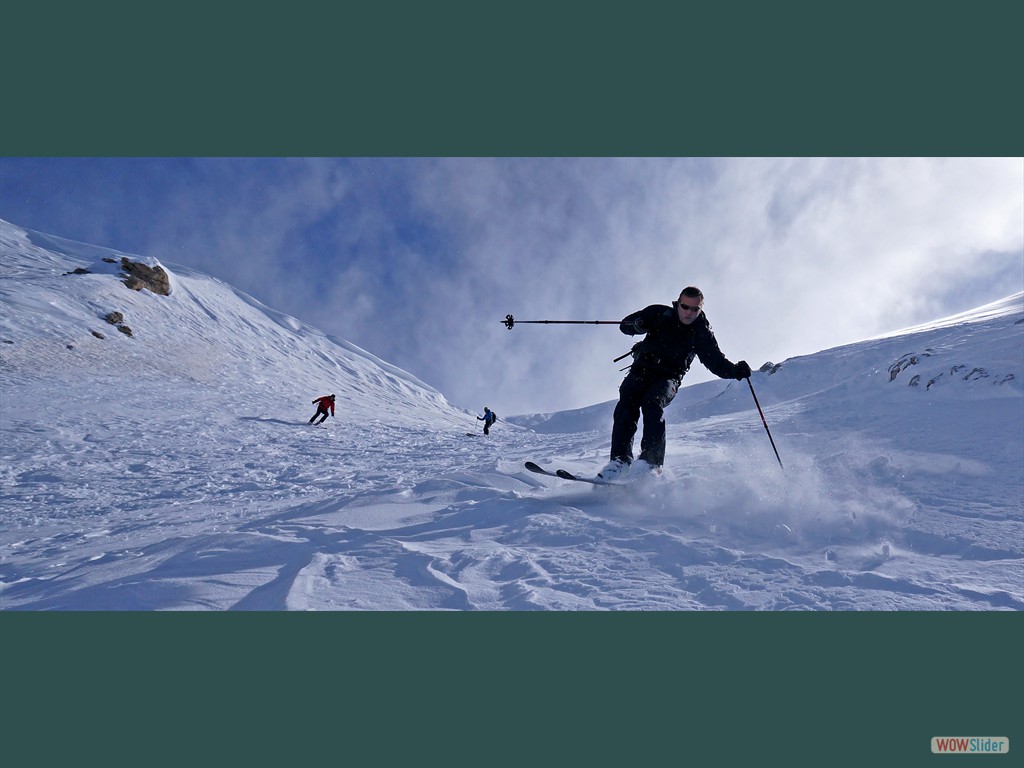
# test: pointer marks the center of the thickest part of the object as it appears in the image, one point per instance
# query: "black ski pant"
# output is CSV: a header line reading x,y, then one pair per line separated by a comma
x,y
648,394
320,412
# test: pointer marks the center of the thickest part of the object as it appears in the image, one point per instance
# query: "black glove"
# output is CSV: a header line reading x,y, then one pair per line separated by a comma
x,y
742,370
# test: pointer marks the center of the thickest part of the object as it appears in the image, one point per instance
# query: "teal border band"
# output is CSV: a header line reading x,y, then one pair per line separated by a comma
x,y
502,688
541,79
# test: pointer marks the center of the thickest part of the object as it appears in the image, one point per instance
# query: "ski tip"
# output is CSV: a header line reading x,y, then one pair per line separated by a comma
x,y
566,475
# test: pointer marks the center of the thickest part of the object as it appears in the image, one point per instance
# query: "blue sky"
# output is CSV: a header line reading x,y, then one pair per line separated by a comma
x,y
419,259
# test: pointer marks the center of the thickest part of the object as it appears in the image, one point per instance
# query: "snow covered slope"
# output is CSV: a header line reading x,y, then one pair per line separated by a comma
x,y
173,469
222,346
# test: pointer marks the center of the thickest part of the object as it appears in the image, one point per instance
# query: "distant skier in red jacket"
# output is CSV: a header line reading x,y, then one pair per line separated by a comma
x,y
323,404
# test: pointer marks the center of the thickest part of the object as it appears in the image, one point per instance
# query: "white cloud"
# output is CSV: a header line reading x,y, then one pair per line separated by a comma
x,y
418,259
794,255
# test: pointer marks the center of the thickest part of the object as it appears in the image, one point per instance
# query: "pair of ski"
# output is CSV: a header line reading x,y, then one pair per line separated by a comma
x,y
568,475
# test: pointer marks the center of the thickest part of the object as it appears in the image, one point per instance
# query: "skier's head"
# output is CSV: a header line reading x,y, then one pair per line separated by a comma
x,y
332,397
691,295
689,304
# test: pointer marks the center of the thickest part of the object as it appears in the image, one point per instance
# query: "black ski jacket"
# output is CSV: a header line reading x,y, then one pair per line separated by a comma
x,y
670,346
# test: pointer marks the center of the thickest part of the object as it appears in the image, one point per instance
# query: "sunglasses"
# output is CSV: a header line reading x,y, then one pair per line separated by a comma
x,y
687,307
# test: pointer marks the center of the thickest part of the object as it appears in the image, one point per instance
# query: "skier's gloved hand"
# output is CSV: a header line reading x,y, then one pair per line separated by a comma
x,y
742,370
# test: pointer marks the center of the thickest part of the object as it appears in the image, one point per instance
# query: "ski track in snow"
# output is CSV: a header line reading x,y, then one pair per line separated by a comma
x,y
175,471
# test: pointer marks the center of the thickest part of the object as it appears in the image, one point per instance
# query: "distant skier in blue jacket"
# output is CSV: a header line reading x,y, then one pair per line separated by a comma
x,y
488,418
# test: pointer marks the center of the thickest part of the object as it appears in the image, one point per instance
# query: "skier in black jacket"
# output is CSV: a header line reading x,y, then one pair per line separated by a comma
x,y
674,336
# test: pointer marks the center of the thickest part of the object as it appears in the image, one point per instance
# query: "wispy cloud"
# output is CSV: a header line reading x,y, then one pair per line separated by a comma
x,y
418,259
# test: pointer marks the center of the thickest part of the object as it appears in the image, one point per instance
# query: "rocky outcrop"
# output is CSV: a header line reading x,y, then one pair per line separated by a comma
x,y
906,361
945,375
138,276
116,319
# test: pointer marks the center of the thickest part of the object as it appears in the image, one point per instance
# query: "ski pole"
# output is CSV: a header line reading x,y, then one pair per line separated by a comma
x,y
509,321
765,423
